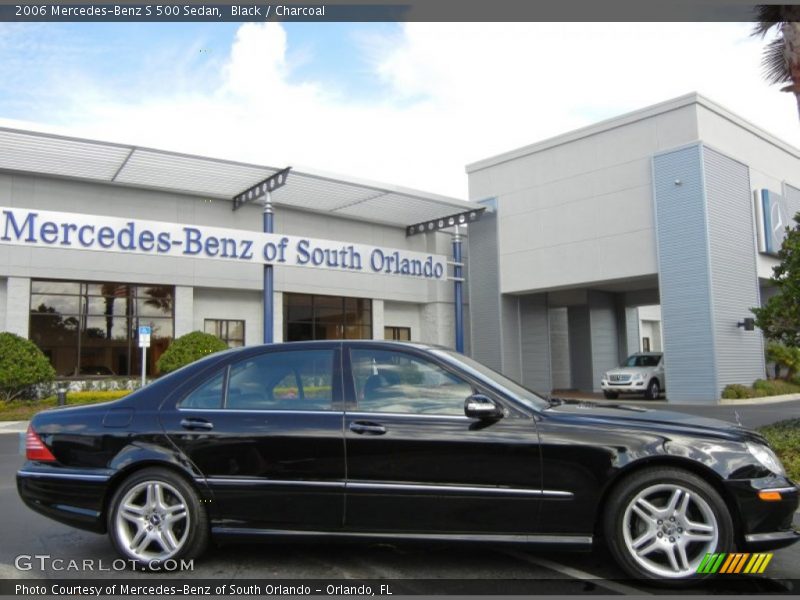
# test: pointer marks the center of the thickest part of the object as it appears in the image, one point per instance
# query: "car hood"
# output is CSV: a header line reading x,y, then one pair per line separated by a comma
x,y
660,420
629,370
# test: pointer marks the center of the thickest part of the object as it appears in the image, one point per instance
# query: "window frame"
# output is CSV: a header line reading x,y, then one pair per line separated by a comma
x,y
396,329
316,321
226,322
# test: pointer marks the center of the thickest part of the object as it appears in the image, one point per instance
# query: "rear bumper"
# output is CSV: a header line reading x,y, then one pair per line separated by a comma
x,y
74,499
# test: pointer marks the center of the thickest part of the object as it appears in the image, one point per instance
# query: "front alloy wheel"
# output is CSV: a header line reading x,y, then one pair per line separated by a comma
x,y
155,516
653,390
661,523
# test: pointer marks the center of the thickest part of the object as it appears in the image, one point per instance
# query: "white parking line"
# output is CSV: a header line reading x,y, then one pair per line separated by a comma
x,y
574,573
13,426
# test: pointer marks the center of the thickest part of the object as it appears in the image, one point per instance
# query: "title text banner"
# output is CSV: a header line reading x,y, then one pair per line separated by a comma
x,y
48,229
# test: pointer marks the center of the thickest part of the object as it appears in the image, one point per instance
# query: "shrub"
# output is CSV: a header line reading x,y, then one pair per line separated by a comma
x,y
22,365
189,348
774,387
92,397
786,357
737,391
784,437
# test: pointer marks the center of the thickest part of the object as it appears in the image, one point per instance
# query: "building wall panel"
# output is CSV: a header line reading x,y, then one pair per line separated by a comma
x,y
535,343
734,281
684,276
484,292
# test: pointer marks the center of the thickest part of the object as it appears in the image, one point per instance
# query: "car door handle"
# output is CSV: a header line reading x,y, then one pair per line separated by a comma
x,y
197,424
367,428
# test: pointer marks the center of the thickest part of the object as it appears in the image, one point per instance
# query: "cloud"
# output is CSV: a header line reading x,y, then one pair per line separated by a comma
x,y
448,94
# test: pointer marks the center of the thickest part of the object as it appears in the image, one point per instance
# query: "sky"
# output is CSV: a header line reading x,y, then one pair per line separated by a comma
x,y
409,104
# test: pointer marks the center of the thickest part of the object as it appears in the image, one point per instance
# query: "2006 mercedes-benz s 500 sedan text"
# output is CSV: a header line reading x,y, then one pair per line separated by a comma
x,y
372,440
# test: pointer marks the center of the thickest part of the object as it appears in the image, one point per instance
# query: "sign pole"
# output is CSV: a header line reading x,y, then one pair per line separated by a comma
x,y
269,291
458,279
144,343
144,362
265,189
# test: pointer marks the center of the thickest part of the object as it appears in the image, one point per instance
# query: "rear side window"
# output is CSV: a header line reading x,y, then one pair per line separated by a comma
x,y
296,380
207,395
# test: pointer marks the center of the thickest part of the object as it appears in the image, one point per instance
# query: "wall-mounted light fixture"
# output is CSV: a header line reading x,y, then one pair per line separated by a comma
x,y
748,324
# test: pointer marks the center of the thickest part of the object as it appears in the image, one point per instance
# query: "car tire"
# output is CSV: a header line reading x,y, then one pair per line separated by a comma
x,y
156,515
661,522
611,395
653,390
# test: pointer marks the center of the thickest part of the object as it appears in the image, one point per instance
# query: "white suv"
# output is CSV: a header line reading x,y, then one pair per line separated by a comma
x,y
641,373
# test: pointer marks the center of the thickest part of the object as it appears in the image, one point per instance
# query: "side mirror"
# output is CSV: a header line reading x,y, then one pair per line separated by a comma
x,y
479,406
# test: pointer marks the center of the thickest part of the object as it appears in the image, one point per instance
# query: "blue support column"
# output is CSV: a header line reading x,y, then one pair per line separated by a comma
x,y
458,279
269,286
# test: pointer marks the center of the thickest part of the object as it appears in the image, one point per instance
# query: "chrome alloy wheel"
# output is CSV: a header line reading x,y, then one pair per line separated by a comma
x,y
668,529
152,521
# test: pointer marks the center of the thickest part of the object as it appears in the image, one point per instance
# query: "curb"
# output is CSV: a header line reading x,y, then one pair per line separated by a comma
x,y
756,401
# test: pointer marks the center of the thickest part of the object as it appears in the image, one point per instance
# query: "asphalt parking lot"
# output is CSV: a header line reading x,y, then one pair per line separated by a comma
x,y
413,568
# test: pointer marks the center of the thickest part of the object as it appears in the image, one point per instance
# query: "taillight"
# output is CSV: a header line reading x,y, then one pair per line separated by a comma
x,y
35,448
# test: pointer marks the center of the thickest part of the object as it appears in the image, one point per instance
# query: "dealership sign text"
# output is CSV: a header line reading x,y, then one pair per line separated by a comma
x,y
22,227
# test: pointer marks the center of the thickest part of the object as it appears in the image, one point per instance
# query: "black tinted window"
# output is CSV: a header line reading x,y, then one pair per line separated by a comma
x,y
396,382
207,395
298,380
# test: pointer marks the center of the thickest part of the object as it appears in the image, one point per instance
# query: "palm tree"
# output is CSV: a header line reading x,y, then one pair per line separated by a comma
x,y
782,55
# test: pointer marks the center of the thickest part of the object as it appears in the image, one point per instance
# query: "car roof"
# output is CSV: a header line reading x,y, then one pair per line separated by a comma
x,y
335,343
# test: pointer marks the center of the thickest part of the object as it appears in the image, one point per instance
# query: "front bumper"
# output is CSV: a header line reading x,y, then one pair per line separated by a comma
x,y
623,387
766,525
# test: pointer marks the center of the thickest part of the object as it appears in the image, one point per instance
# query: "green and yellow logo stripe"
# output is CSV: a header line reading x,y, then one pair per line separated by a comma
x,y
728,563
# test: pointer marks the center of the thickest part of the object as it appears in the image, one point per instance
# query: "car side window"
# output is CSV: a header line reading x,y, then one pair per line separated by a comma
x,y
294,380
207,395
396,382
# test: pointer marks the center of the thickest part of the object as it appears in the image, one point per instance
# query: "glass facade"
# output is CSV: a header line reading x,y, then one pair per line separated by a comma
x,y
89,329
309,317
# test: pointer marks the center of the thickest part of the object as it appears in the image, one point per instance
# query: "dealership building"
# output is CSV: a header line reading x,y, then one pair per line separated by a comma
x,y
682,204
653,230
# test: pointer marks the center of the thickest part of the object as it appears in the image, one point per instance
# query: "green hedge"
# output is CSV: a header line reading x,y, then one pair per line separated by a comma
x,y
784,437
22,366
22,410
189,348
760,389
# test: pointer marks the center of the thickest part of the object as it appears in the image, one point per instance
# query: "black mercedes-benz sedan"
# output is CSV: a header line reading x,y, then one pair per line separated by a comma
x,y
361,439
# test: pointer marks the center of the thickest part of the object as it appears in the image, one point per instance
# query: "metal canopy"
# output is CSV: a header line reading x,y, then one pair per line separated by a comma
x,y
134,166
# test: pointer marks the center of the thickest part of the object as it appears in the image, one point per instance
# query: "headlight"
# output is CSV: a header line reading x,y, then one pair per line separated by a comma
x,y
766,457
638,377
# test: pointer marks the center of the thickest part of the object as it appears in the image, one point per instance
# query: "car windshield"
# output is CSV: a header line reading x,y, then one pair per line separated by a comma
x,y
491,376
642,360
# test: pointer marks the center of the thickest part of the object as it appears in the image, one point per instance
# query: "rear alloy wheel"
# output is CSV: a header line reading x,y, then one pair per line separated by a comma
x,y
661,523
155,516
653,390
